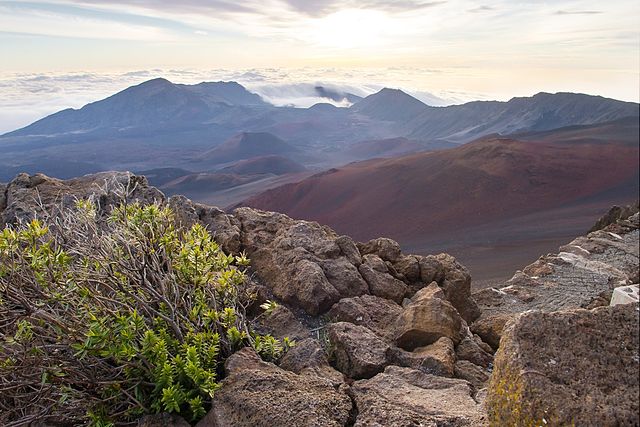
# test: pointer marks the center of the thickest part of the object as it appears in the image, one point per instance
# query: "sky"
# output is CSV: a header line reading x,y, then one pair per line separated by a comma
x,y
64,53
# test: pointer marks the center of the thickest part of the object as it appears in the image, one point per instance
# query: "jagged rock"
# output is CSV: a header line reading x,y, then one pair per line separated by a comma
x,y
437,359
224,228
387,249
372,312
309,358
27,196
358,352
582,274
256,393
345,277
615,214
375,262
291,257
3,197
431,269
471,372
490,328
470,349
457,287
382,284
578,367
163,420
281,323
431,291
425,321
349,249
408,397
409,267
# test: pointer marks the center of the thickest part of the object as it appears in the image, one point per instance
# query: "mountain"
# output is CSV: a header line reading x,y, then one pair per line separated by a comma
x,y
246,145
230,93
390,147
270,164
544,111
390,105
472,195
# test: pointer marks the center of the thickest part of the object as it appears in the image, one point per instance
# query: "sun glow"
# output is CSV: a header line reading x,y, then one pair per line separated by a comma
x,y
347,29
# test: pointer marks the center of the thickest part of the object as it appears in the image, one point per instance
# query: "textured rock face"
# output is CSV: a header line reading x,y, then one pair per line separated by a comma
x,y
27,195
375,313
437,359
358,352
582,274
425,321
308,357
407,397
577,367
256,393
303,263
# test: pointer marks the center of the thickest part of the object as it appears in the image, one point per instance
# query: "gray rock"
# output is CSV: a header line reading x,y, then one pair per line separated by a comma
x,y
308,357
372,312
576,367
387,249
382,284
357,352
408,397
260,394
471,372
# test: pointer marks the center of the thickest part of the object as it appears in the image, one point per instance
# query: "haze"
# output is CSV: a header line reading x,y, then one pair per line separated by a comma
x,y
64,53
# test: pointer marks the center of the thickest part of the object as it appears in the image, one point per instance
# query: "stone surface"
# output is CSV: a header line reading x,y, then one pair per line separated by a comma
x,y
27,195
356,351
425,321
387,249
224,228
308,357
163,420
431,269
470,349
471,372
303,263
256,393
437,359
409,267
281,323
408,397
583,274
490,328
375,313
456,285
578,367
625,295
383,285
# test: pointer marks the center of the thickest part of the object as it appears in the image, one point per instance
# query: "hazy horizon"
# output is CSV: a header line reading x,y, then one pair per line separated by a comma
x,y
65,53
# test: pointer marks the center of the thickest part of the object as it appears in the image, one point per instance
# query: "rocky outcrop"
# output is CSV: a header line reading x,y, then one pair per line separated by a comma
x,y
308,357
357,352
407,397
578,367
615,214
256,393
30,195
426,320
582,274
375,313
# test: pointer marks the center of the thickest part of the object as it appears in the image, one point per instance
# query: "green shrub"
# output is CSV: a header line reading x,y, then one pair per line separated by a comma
x,y
106,319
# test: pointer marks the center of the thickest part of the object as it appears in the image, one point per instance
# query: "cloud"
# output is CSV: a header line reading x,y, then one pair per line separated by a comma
x,y
480,9
578,12
318,8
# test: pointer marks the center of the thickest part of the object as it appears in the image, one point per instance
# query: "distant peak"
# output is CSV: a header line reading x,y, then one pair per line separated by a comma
x,y
156,82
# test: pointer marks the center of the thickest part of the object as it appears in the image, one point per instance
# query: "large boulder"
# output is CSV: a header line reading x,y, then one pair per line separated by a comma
x,y
387,249
456,285
383,284
357,352
282,323
577,367
425,321
408,397
308,357
438,358
375,313
256,393
304,264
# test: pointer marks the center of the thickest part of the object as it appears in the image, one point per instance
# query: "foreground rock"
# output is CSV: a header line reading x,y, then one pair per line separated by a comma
x,y
407,397
257,393
30,195
577,367
582,274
